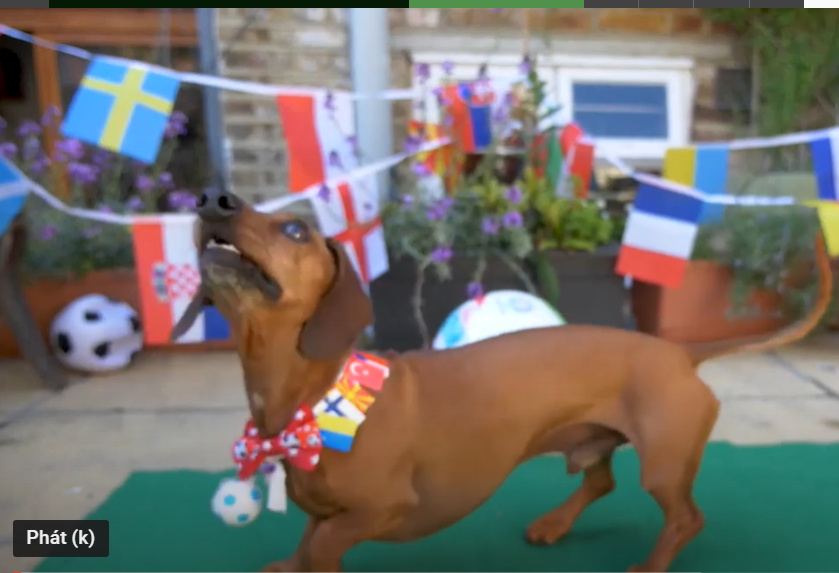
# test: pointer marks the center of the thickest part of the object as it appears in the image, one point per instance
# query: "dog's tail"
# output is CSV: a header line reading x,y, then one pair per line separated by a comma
x,y
699,353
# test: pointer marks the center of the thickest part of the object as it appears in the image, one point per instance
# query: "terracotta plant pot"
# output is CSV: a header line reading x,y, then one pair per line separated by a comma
x,y
698,311
47,297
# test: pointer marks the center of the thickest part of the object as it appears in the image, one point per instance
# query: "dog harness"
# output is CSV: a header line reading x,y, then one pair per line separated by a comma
x,y
332,423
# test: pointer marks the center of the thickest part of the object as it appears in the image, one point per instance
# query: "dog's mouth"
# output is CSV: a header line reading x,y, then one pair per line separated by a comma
x,y
223,264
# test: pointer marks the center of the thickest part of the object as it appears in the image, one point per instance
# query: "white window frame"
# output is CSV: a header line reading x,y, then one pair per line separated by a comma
x,y
560,72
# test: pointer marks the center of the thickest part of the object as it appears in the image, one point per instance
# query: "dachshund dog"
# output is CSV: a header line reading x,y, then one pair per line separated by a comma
x,y
448,427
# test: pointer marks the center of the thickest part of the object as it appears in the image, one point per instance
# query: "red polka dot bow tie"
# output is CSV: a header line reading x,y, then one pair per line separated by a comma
x,y
300,443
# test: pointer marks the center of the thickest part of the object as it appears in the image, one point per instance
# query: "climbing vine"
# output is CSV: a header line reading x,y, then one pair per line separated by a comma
x,y
798,55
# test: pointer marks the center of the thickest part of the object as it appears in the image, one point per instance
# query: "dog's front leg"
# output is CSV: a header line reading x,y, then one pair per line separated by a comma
x,y
300,560
335,536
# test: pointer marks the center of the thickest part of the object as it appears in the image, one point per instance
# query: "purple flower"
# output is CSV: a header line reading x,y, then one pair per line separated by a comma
x,y
165,180
526,66
407,201
101,157
490,225
50,115
40,165
514,195
69,148
134,204
352,141
500,114
412,144
448,67
91,231
441,254
182,200
176,125
31,149
48,233
420,169
475,290
335,160
82,173
513,219
448,120
329,101
144,184
423,72
324,193
3,124
28,128
439,210
8,150
105,209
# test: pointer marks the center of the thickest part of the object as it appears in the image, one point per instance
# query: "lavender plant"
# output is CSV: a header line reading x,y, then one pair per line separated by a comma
x,y
491,212
61,245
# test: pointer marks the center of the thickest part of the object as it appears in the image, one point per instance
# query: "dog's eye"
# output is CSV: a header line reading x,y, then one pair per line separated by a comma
x,y
295,230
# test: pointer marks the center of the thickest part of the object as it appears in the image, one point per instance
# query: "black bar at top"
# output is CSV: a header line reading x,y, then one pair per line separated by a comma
x,y
722,3
665,4
610,3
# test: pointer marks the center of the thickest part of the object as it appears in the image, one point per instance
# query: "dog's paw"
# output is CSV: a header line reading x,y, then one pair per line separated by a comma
x,y
281,566
548,529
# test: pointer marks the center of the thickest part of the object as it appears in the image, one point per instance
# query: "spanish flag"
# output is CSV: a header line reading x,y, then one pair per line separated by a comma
x,y
439,161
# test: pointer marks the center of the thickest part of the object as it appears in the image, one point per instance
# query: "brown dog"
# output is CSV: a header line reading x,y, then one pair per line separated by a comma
x,y
449,426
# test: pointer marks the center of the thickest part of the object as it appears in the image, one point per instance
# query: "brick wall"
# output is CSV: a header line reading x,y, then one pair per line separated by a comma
x,y
666,32
289,46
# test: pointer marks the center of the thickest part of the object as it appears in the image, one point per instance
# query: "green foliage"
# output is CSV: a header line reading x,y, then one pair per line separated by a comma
x,y
798,52
767,248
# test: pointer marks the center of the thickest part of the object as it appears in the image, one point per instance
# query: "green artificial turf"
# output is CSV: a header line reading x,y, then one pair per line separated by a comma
x,y
768,508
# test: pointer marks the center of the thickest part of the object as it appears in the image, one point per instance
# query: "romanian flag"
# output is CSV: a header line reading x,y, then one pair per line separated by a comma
x,y
167,270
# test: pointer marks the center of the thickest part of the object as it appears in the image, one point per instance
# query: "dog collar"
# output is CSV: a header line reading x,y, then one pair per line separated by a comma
x,y
332,423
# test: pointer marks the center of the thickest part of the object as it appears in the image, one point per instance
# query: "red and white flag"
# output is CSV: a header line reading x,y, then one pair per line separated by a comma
x,y
320,136
319,131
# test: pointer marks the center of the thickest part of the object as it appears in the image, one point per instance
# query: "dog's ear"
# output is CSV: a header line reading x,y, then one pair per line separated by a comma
x,y
342,314
190,315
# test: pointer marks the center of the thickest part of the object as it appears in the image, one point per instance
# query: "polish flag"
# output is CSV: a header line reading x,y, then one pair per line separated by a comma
x,y
167,271
319,131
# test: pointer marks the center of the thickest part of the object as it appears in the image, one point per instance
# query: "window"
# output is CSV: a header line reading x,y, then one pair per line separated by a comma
x,y
634,107
634,114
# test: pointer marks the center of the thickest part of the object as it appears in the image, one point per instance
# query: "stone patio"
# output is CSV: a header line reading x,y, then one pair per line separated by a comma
x,y
64,453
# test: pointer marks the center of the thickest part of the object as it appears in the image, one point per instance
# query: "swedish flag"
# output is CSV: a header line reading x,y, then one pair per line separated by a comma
x,y
123,107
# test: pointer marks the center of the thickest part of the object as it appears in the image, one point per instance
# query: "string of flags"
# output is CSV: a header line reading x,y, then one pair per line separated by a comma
x,y
206,80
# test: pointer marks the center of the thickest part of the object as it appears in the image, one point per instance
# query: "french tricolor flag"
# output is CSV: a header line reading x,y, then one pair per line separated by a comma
x,y
825,152
167,272
660,234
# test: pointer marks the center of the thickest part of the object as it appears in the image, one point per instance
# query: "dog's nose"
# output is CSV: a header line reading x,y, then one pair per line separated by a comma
x,y
217,205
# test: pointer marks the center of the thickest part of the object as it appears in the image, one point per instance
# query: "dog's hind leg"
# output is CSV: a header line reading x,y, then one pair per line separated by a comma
x,y
598,481
670,449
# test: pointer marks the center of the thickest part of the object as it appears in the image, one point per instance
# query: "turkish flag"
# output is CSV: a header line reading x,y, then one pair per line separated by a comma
x,y
368,371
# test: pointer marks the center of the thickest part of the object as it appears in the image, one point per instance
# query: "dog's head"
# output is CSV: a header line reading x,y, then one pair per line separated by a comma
x,y
276,270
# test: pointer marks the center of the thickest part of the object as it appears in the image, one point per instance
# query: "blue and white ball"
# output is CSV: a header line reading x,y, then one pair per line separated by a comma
x,y
498,312
237,502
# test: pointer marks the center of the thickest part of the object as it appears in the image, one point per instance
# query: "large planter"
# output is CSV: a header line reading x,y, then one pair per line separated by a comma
x,y
47,297
698,310
392,293
589,290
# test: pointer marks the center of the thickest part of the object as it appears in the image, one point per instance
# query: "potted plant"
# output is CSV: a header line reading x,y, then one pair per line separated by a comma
x,y
502,226
751,273
64,256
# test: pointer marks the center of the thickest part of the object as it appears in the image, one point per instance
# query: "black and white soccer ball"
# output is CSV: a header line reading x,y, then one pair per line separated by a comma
x,y
96,334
